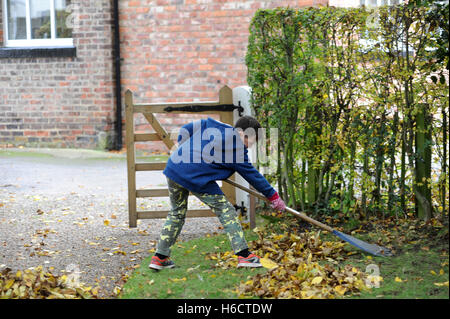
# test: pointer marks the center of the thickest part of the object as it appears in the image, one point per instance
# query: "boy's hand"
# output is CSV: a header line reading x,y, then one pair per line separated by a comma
x,y
277,203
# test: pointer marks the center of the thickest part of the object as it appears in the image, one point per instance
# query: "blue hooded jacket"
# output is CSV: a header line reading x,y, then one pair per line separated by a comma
x,y
208,151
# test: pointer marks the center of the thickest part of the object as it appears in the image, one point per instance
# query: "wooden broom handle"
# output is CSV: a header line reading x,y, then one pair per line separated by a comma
x,y
293,211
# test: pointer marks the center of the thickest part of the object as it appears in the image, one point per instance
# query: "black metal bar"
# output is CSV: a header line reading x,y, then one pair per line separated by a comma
x,y
118,86
203,108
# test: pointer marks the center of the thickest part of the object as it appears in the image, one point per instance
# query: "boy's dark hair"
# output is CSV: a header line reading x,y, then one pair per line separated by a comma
x,y
246,122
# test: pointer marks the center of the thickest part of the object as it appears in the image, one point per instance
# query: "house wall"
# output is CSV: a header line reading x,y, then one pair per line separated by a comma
x,y
62,101
173,50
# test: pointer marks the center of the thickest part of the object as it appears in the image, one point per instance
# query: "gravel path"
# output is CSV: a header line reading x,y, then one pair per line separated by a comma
x,y
68,211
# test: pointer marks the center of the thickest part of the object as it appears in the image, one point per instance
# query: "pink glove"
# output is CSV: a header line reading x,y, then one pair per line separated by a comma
x,y
277,203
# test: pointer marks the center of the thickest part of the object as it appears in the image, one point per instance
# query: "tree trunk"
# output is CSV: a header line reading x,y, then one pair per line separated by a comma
x,y
312,183
379,160
443,177
423,163
365,174
392,148
403,170
303,178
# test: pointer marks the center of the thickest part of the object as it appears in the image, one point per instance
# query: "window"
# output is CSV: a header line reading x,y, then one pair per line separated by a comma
x,y
37,23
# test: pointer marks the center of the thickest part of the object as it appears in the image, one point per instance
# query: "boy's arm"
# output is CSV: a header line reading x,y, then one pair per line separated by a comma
x,y
254,178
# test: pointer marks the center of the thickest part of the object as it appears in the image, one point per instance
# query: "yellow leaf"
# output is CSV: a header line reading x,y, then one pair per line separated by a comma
x,y
106,222
9,284
340,290
441,284
316,280
117,290
267,263
433,272
441,272
398,279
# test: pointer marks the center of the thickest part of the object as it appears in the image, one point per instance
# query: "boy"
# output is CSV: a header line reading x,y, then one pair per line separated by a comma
x,y
208,151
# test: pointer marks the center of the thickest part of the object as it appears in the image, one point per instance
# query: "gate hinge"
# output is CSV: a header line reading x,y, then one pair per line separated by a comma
x,y
203,108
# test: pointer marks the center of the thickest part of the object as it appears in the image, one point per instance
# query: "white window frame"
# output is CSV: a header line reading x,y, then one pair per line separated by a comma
x,y
52,42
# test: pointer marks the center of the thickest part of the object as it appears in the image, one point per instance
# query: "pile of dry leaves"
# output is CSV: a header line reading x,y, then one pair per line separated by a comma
x,y
300,266
35,283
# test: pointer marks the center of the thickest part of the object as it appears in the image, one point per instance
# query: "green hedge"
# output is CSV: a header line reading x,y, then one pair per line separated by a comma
x,y
359,117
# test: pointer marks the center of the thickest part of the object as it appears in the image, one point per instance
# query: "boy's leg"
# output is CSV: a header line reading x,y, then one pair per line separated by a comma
x,y
175,219
228,217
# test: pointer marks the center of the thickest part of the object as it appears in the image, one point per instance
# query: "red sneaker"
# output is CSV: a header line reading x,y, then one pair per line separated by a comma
x,y
159,264
251,261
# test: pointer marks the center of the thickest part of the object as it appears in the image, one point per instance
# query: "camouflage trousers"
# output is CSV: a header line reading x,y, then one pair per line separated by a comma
x,y
219,204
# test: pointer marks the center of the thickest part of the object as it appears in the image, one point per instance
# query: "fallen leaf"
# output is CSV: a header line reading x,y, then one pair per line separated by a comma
x,y
441,284
398,279
316,280
267,263
340,290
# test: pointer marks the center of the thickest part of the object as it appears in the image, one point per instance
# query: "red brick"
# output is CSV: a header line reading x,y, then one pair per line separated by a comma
x,y
42,133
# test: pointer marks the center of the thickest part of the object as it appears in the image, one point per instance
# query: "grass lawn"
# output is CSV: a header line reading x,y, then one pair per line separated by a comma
x,y
420,269
195,275
416,272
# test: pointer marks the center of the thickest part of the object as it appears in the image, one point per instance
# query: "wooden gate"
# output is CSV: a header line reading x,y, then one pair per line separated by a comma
x,y
148,111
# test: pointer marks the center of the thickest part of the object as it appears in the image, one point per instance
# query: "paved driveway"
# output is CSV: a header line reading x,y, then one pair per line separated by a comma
x,y
67,209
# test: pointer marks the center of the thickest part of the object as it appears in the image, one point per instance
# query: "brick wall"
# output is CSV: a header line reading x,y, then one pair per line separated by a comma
x,y
178,50
63,102
173,50
186,50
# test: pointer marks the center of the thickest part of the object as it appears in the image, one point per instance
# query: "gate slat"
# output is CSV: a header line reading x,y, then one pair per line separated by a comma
x,y
155,192
150,166
159,108
147,137
131,158
163,213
